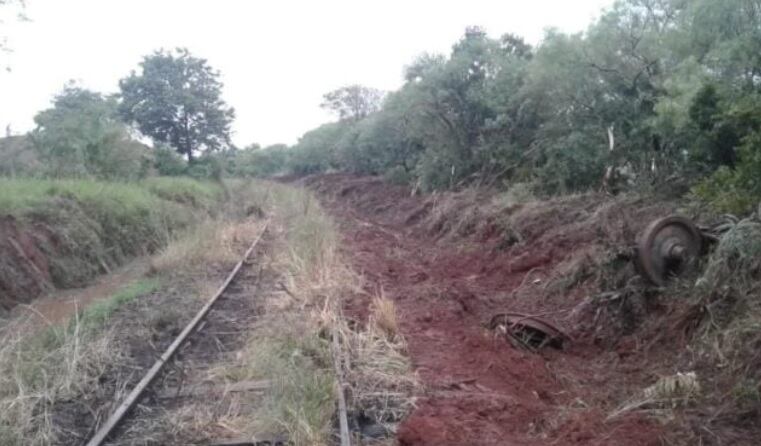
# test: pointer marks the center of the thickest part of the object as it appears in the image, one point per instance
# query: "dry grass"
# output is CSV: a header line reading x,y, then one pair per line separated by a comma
x,y
38,369
292,345
377,369
44,371
215,241
383,316
668,393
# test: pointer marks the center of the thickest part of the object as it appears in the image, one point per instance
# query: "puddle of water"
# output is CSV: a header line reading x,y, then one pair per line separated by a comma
x,y
59,306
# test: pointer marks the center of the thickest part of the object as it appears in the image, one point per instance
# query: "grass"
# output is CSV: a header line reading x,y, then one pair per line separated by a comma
x,y
185,190
42,371
300,403
99,312
92,226
24,195
383,311
39,368
291,346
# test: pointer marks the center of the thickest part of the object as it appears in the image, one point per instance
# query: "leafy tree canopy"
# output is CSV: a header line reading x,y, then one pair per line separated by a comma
x,y
176,99
353,102
81,135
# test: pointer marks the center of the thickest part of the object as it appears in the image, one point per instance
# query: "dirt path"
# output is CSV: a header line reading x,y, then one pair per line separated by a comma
x,y
478,388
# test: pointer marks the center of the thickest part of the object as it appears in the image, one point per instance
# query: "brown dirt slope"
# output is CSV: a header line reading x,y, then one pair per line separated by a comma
x,y
451,261
24,270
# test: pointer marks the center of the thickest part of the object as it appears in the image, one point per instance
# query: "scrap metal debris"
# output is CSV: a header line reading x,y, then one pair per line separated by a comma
x,y
667,248
531,332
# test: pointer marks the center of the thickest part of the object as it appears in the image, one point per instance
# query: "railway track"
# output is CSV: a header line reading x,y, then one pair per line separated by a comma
x,y
212,337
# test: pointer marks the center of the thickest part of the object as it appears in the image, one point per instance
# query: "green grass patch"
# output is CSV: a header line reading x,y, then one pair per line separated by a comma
x,y
26,195
186,190
98,313
297,363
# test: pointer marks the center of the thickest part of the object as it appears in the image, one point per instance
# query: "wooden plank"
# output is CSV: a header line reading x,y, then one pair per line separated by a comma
x,y
129,402
239,387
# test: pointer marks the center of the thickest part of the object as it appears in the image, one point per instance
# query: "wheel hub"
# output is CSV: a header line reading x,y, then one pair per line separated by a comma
x,y
667,248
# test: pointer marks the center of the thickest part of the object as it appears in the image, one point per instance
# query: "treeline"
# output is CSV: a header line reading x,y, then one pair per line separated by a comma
x,y
655,92
173,100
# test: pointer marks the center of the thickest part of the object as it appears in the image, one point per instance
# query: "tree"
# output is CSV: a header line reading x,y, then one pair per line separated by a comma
x,y
176,100
316,150
353,102
81,135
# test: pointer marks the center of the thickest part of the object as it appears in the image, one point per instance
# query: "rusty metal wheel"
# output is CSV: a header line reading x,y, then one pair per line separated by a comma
x,y
667,248
532,332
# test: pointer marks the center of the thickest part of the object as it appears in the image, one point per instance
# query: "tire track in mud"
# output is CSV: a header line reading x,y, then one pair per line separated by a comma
x,y
478,388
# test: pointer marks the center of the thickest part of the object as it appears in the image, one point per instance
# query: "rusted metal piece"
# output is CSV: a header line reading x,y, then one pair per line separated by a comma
x,y
530,331
667,248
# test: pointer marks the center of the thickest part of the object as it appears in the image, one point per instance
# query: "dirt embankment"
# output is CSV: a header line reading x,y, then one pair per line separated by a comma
x,y
452,261
24,268
62,234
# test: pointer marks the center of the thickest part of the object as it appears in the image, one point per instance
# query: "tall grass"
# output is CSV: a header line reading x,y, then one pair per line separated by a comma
x,y
185,190
292,345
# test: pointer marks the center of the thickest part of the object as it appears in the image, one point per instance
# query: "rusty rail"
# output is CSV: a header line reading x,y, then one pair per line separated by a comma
x,y
113,421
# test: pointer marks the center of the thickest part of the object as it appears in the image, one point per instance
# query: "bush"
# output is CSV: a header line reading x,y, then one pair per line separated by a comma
x,y
735,190
168,162
261,163
398,175
80,136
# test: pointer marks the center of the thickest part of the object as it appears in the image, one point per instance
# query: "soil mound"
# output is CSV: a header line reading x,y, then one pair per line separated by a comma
x,y
453,260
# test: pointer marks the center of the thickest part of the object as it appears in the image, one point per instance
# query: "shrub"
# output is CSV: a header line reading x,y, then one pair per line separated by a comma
x,y
168,162
398,175
735,190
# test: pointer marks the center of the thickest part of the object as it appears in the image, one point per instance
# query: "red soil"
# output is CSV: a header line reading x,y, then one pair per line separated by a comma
x,y
478,389
24,272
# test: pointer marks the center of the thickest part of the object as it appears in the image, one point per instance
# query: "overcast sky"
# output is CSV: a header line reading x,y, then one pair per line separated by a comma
x,y
277,57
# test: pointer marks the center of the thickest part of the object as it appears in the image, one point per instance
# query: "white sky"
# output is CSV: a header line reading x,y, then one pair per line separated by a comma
x,y
277,57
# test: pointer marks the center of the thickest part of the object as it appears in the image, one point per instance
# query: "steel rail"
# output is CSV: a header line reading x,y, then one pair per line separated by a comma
x,y
129,402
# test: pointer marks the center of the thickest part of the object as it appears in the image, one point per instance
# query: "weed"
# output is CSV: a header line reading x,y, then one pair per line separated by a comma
x,y
383,316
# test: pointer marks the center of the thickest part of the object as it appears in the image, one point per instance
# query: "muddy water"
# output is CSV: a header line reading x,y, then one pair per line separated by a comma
x,y
59,306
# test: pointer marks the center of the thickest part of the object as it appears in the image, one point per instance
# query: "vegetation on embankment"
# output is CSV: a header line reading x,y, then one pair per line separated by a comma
x,y
51,376
62,233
